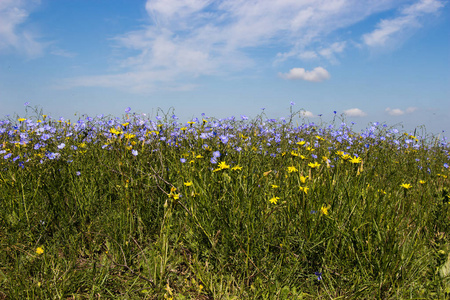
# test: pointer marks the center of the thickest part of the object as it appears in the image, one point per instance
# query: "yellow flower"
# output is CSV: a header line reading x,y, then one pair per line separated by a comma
x,y
199,156
346,156
324,209
125,124
314,165
129,135
304,189
275,186
223,165
303,179
422,181
183,128
236,168
39,250
189,183
301,143
340,153
293,153
292,169
310,149
274,200
355,160
406,186
21,119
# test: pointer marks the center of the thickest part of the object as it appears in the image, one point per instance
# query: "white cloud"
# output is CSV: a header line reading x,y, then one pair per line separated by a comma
x,y
355,112
316,75
391,31
13,37
185,39
399,112
306,114
329,52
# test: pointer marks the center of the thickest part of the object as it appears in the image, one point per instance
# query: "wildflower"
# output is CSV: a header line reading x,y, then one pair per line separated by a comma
x,y
129,135
128,109
274,186
274,200
199,156
236,168
39,250
292,169
304,189
61,146
134,152
346,156
355,160
216,154
183,160
406,186
78,173
314,165
303,179
188,183
422,181
223,165
21,119
319,275
324,209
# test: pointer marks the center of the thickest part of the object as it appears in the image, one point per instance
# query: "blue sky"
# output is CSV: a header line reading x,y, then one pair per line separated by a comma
x,y
372,61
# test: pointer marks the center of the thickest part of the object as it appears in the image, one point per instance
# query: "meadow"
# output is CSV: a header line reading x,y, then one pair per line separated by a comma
x,y
137,208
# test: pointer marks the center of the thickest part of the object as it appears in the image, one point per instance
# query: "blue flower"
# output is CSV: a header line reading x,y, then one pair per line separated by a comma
x,y
128,109
26,103
134,152
446,165
292,103
61,146
216,154
78,173
319,275
183,160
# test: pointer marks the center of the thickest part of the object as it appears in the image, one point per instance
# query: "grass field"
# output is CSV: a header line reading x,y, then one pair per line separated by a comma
x,y
138,208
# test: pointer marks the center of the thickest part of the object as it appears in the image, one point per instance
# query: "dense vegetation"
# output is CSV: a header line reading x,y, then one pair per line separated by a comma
x,y
221,209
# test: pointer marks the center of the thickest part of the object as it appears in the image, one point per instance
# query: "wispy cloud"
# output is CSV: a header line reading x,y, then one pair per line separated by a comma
x,y
355,112
61,52
13,36
395,30
399,112
184,40
316,75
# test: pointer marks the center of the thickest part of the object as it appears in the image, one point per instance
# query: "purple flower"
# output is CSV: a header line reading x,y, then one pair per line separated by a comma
x,y
7,156
224,139
292,103
134,152
26,103
216,154
61,146
78,173
319,275
183,160
446,165
128,109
